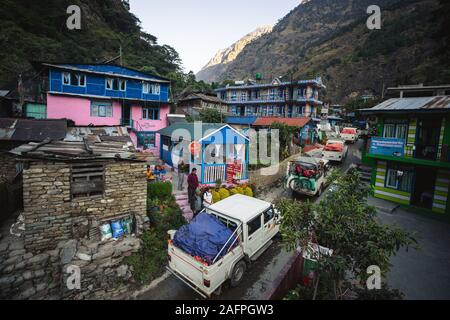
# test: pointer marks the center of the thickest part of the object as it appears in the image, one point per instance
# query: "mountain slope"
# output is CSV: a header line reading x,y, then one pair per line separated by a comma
x,y
218,64
36,31
329,38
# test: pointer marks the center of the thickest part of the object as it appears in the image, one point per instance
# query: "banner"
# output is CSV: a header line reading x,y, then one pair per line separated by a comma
x,y
387,147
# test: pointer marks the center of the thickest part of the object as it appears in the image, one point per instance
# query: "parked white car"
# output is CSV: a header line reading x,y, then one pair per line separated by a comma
x,y
335,150
254,223
349,135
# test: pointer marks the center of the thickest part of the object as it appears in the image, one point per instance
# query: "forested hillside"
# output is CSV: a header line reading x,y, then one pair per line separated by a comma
x,y
33,30
329,38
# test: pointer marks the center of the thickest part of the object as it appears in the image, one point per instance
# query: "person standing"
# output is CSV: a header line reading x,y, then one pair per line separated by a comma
x,y
180,174
192,188
207,198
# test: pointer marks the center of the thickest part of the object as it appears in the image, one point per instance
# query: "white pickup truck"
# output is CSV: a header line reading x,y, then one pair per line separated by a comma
x,y
335,150
254,223
349,135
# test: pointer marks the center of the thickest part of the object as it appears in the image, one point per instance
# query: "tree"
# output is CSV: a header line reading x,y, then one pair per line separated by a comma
x,y
211,116
285,137
343,222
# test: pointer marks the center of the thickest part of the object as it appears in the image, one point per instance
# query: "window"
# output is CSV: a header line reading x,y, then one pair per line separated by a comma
x,y
254,225
243,96
146,140
101,109
399,178
66,78
223,95
233,95
36,111
151,88
272,94
74,79
150,113
116,84
146,87
87,180
268,215
395,130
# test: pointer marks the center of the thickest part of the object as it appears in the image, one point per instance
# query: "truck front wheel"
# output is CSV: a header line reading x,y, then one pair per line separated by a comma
x,y
238,273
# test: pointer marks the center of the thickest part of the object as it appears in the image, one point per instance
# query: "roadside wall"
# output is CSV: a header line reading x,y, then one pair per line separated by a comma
x,y
266,177
288,279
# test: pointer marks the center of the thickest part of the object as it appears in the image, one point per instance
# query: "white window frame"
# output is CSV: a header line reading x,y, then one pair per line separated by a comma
x,y
146,87
388,172
124,83
64,75
109,82
107,110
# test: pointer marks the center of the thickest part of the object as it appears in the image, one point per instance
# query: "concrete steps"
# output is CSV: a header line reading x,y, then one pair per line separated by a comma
x,y
366,174
181,198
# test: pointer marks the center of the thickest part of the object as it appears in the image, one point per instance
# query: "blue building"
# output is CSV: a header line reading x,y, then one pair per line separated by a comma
x,y
213,149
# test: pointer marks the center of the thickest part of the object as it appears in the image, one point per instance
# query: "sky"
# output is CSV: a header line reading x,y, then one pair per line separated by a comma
x,y
197,29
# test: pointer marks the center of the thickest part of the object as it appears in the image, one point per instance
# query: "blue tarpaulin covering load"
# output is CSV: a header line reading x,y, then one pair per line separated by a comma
x,y
204,237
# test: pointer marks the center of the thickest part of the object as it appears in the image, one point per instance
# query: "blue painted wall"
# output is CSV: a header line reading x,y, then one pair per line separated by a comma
x,y
96,85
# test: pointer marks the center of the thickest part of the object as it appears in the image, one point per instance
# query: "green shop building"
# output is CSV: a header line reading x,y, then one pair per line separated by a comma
x,y
410,153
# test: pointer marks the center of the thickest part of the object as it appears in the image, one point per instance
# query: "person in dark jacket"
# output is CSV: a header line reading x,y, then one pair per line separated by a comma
x,y
192,187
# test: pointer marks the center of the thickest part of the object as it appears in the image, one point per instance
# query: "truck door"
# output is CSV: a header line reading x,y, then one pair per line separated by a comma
x,y
255,233
270,225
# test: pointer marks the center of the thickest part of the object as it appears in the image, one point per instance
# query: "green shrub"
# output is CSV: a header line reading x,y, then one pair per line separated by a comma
x,y
224,193
149,262
159,190
248,192
216,196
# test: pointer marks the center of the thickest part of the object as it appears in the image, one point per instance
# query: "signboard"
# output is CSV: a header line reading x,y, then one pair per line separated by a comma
x,y
233,171
387,147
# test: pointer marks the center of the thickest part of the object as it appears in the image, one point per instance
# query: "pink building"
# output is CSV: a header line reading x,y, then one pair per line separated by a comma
x,y
109,95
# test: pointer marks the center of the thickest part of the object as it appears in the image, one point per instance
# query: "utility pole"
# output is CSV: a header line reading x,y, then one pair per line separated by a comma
x,y
120,55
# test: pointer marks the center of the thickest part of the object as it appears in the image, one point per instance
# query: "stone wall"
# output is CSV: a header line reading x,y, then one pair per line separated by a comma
x,y
266,177
61,232
103,272
51,215
7,165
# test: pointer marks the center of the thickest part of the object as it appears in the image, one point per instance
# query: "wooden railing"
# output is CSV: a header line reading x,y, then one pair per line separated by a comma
x,y
213,172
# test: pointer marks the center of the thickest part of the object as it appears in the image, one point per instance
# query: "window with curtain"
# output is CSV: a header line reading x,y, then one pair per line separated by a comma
x,y
399,178
395,130
101,109
146,139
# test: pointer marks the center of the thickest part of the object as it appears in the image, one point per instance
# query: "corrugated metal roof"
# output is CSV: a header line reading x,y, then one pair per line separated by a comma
x,y
91,148
189,127
292,122
249,120
32,130
412,104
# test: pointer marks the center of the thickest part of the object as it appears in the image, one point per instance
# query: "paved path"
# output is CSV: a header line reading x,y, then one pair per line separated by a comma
x,y
423,273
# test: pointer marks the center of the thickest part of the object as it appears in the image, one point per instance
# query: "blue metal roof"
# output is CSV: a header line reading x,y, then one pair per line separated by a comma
x,y
108,69
317,82
249,120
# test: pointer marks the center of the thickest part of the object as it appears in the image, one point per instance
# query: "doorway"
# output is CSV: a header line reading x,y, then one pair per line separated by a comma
x,y
126,114
424,187
428,139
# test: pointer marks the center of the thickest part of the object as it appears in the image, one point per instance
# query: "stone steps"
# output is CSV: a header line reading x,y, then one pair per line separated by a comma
x,y
181,199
